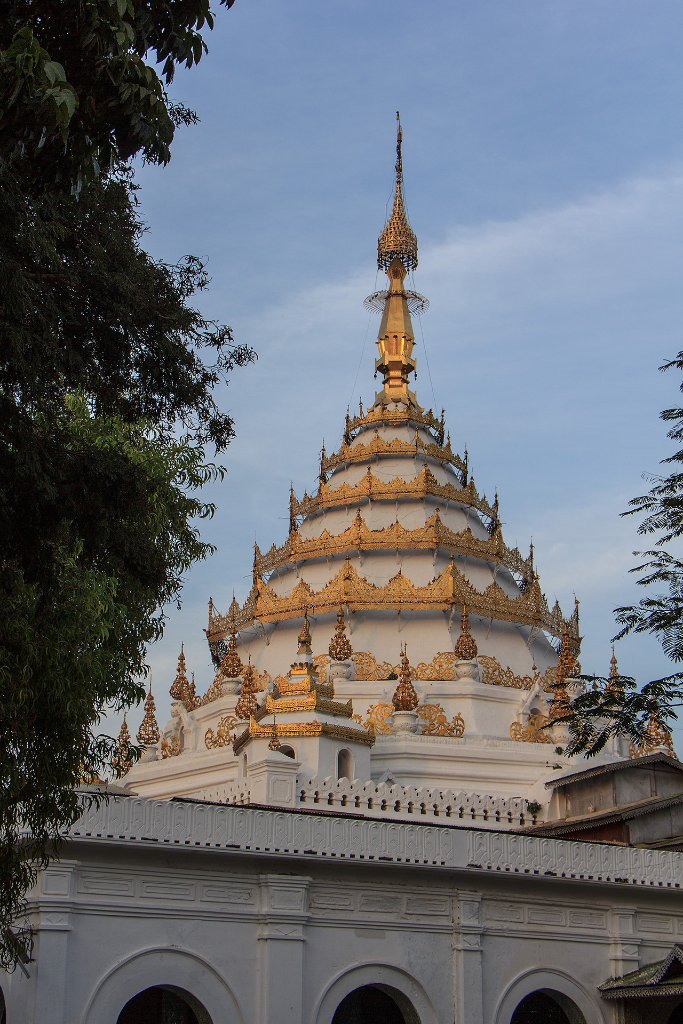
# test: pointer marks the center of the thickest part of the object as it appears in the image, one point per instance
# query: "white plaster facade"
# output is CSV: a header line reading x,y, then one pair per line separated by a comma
x,y
270,917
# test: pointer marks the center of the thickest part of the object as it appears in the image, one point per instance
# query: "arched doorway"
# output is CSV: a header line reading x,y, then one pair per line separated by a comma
x,y
163,1005
547,1008
372,1005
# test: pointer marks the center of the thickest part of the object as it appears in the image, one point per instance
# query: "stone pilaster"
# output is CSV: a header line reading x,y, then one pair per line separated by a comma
x,y
52,925
282,937
468,955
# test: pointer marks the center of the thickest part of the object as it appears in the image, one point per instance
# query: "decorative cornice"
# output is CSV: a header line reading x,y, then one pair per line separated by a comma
x,y
450,588
371,487
380,446
312,702
360,537
400,416
290,730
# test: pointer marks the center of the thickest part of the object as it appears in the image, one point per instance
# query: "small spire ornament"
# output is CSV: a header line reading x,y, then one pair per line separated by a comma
x,y
148,733
657,737
123,759
180,684
465,647
405,698
247,703
340,646
305,636
566,667
274,742
614,685
231,666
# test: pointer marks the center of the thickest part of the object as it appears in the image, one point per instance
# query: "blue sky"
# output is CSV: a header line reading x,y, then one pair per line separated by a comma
x,y
544,178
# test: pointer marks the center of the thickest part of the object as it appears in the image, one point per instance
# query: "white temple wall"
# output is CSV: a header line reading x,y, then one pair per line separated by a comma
x,y
264,938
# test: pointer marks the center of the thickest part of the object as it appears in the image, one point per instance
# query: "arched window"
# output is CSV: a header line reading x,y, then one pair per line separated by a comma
x,y
344,764
371,1003
547,1008
163,1005
287,750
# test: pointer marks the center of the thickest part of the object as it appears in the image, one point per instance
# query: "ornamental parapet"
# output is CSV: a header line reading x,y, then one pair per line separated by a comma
x,y
451,588
281,832
373,488
360,537
380,446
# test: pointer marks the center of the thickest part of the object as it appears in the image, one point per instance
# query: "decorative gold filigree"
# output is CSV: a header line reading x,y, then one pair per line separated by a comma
x,y
314,701
340,647
170,748
494,674
224,733
405,698
148,733
378,719
440,667
465,647
231,666
435,722
533,731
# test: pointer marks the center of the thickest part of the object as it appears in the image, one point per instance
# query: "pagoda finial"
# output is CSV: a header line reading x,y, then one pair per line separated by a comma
x,y
305,636
123,759
397,241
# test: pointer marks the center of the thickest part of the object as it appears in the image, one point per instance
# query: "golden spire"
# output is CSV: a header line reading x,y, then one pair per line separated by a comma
x,y
148,733
397,241
614,685
340,647
247,702
397,255
231,666
123,759
405,697
566,667
465,647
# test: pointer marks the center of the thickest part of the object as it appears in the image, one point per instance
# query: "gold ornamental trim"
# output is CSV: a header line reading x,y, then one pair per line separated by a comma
x,y
313,702
360,537
290,730
351,453
435,721
373,488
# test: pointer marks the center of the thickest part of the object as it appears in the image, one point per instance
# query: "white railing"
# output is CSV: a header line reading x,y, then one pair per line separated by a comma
x,y
385,800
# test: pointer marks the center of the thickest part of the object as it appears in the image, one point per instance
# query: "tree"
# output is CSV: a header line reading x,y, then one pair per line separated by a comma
x,y
77,95
108,412
617,706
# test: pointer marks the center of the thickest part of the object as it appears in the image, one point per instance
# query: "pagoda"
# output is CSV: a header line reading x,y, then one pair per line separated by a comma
x,y
397,570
